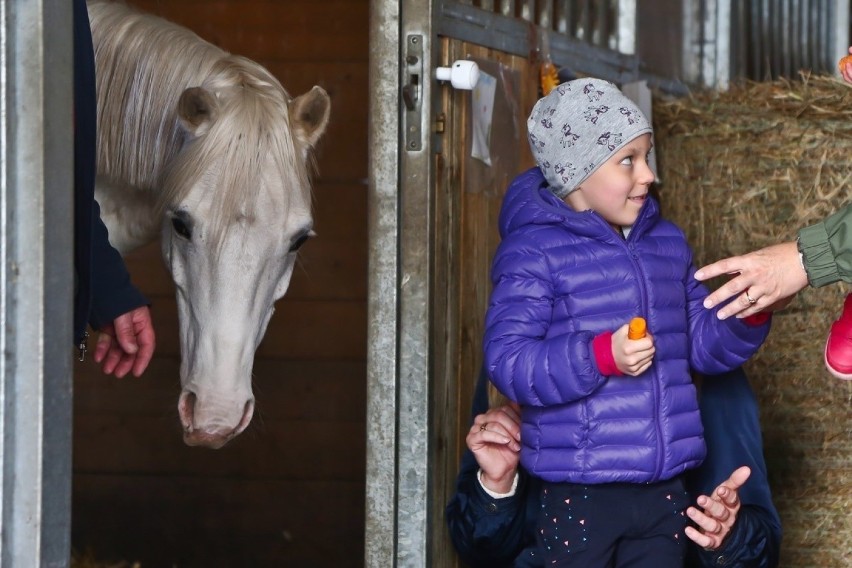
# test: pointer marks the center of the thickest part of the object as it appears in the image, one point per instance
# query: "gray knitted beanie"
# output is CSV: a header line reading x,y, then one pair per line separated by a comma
x,y
578,127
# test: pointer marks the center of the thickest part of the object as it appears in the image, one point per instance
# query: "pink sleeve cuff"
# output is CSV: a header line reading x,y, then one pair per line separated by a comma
x,y
757,319
602,349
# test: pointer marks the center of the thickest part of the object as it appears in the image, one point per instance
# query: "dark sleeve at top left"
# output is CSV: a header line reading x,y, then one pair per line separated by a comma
x,y
104,288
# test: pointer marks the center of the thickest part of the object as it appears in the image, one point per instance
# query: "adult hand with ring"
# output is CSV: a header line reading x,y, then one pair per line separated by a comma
x,y
495,440
776,269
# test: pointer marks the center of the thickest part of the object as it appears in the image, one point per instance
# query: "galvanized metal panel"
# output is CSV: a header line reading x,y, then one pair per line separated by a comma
x,y
761,40
37,281
397,524
414,339
383,286
626,27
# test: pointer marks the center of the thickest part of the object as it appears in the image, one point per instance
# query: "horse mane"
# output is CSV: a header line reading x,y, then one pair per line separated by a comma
x,y
143,65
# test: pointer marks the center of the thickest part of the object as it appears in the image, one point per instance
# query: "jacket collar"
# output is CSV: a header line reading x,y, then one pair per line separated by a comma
x,y
529,201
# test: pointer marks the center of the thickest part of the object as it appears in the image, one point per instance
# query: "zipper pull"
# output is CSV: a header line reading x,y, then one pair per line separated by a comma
x,y
82,347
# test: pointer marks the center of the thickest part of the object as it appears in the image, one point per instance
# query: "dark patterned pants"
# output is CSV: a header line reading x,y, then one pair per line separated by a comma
x,y
613,525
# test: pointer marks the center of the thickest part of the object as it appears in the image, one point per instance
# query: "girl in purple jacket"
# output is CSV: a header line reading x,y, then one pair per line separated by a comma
x,y
609,424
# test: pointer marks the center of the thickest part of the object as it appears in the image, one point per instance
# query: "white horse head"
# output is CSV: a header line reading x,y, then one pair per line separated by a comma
x,y
208,149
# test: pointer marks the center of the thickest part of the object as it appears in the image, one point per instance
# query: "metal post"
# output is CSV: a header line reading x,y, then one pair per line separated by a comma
x,y
626,27
382,310
36,200
416,191
400,178
692,31
708,24
723,44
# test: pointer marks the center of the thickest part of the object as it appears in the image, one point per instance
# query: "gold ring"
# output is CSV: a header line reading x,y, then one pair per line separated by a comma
x,y
749,298
483,427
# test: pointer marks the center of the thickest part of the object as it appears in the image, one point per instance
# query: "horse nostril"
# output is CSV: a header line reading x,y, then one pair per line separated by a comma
x,y
248,412
186,409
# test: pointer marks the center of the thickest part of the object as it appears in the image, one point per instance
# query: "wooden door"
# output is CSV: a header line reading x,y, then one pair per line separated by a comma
x,y
467,197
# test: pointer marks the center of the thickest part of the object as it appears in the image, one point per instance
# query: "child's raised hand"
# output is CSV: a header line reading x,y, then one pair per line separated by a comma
x,y
632,356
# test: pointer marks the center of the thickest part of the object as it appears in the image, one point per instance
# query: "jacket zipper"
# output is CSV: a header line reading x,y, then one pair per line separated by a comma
x,y
83,347
655,379
630,247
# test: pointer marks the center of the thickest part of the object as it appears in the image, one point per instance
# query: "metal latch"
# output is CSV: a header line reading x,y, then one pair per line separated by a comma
x,y
412,93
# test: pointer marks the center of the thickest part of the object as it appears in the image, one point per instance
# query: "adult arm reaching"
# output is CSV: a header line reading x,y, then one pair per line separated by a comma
x,y
768,278
763,279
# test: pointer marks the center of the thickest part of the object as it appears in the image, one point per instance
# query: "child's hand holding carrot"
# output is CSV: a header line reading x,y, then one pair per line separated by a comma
x,y
633,356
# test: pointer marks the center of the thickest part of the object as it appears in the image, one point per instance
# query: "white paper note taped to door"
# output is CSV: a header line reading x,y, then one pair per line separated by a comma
x,y
483,111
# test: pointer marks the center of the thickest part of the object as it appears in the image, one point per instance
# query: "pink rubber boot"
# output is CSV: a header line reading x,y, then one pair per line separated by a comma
x,y
838,347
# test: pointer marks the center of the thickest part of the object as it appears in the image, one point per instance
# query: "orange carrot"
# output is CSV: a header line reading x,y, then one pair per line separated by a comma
x,y
637,328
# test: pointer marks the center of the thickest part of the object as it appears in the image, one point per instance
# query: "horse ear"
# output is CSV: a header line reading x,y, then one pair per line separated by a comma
x,y
197,109
309,115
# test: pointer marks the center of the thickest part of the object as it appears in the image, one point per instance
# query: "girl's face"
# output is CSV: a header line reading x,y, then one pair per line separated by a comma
x,y
619,187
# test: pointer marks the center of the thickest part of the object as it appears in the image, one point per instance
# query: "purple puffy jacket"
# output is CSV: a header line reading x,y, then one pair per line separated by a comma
x,y
561,278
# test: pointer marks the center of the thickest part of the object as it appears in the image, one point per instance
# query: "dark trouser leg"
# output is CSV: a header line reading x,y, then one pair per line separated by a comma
x,y
658,541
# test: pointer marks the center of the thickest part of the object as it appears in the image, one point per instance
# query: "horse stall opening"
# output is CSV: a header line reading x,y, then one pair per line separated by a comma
x,y
288,491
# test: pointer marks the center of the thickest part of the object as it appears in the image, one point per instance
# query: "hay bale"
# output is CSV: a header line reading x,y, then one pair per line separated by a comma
x,y
741,170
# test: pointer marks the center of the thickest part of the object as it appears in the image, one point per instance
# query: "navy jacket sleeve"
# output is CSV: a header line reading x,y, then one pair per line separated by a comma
x,y
103,287
487,532
729,412
113,293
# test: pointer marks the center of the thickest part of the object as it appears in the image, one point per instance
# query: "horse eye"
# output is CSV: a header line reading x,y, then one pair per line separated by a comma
x,y
181,228
299,242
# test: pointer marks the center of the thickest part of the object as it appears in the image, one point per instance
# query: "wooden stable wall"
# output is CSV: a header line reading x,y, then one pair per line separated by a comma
x,y
290,490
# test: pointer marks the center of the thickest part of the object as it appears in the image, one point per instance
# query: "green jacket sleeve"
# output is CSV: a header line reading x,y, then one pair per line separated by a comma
x,y
826,249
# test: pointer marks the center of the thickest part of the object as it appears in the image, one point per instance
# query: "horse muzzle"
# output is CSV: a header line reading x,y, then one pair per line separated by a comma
x,y
206,425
